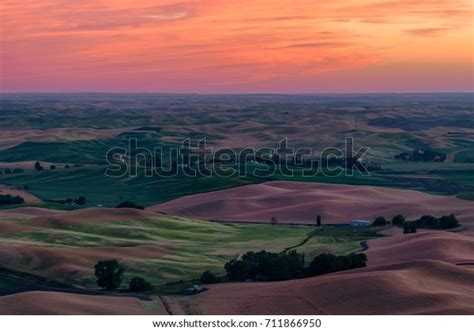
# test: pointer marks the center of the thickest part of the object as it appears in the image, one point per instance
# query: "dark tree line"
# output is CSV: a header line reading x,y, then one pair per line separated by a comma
x,y
429,222
420,155
327,263
129,204
444,222
266,266
80,201
426,221
9,199
9,171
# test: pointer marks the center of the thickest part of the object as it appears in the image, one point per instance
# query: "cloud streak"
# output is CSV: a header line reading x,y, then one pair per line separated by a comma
x,y
221,45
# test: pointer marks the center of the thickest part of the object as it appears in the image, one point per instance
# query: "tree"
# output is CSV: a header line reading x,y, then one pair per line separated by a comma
x,y
38,166
357,260
274,220
318,221
8,171
448,222
406,228
322,264
66,166
237,270
208,278
18,171
128,204
109,274
81,201
52,167
427,220
138,284
398,220
413,227
380,221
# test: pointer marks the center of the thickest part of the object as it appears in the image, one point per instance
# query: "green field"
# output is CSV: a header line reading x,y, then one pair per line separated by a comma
x,y
164,121
90,181
191,247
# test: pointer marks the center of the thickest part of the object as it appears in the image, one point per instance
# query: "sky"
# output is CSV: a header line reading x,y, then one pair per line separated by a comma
x,y
230,46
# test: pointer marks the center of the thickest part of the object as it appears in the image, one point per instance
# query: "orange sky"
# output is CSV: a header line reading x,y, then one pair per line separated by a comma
x,y
236,46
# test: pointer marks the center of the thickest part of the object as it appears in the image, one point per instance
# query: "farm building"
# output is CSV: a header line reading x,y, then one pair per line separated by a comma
x,y
359,223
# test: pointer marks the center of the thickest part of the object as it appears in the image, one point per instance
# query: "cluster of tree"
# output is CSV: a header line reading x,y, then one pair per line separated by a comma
x,y
9,199
80,201
38,166
266,266
444,222
9,171
129,204
426,221
422,156
110,275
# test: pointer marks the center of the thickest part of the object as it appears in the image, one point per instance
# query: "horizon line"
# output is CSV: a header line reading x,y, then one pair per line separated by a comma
x,y
242,93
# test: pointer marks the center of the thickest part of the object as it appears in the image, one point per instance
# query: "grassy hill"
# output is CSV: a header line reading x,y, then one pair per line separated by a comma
x,y
65,246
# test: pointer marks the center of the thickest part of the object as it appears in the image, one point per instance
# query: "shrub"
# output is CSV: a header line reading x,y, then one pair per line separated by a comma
x,y
398,220
52,167
380,221
109,274
138,284
18,171
208,278
128,204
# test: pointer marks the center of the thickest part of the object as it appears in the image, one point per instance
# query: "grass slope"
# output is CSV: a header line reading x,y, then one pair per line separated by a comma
x,y
187,247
